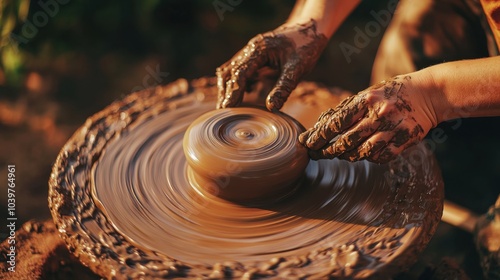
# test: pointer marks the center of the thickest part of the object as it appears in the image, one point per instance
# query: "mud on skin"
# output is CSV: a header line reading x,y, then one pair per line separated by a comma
x,y
290,50
377,124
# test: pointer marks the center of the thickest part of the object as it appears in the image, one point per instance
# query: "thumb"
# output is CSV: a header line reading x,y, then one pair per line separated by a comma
x,y
284,86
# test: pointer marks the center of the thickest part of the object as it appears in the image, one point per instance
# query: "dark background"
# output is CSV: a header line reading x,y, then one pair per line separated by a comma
x,y
90,53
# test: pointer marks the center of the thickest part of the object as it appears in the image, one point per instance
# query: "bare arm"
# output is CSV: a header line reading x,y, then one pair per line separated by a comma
x,y
467,88
380,122
329,14
290,50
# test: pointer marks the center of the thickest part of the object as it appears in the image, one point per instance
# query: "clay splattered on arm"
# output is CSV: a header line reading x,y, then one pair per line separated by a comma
x,y
292,50
377,124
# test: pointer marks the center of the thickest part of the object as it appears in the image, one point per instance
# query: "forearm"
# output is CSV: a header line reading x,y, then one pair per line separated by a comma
x,y
467,88
328,14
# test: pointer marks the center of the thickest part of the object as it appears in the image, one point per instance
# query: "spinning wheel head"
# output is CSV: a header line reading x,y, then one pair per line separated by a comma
x,y
129,204
245,154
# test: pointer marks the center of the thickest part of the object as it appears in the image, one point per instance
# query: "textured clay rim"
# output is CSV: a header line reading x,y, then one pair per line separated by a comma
x,y
110,254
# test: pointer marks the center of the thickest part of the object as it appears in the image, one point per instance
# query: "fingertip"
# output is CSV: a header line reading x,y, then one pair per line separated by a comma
x,y
220,96
219,105
272,105
276,99
226,103
304,136
312,139
230,97
316,140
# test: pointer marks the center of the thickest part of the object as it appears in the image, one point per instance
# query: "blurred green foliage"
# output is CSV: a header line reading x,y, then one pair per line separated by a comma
x,y
12,13
186,37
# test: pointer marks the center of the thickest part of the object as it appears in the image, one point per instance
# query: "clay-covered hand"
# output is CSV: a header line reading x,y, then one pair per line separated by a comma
x,y
291,49
377,124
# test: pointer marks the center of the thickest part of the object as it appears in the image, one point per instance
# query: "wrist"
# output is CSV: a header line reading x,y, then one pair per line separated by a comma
x,y
319,25
328,14
428,96
436,92
318,11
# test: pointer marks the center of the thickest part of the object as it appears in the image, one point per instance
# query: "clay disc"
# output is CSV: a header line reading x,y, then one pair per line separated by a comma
x,y
246,154
122,201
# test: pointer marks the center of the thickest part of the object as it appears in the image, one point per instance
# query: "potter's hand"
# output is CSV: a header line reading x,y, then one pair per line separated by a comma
x,y
291,49
377,124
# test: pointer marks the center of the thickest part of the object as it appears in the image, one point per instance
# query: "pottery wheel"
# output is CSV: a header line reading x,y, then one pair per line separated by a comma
x,y
122,201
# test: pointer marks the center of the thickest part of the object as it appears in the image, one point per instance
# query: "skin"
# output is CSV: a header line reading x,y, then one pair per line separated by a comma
x,y
291,51
378,123
375,124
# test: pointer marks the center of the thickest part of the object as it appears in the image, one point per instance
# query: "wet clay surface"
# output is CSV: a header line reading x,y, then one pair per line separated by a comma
x,y
122,200
245,154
